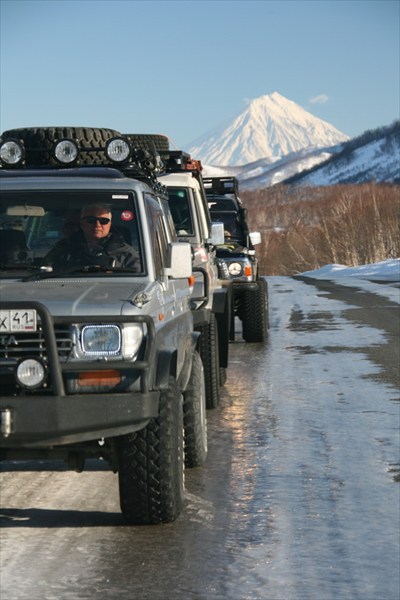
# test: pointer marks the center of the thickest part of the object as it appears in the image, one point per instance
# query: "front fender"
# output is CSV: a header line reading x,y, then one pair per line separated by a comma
x,y
167,361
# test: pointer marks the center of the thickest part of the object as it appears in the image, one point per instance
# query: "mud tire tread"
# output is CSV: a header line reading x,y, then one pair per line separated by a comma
x,y
194,419
151,469
255,313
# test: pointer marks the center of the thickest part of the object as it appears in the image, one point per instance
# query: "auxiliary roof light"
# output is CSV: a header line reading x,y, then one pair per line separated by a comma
x,y
66,151
12,153
118,150
30,373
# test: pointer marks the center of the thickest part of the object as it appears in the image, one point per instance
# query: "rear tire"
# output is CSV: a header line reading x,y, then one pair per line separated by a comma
x,y
194,416
222,376
209,352
151,465
255,313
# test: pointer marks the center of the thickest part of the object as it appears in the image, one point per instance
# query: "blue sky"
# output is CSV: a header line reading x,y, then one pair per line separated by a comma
x,y
181,68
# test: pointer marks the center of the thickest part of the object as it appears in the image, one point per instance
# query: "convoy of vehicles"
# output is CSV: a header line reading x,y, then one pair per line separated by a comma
x,y
114,319
211,302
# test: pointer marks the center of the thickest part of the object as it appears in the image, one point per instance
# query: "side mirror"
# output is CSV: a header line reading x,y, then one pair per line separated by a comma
x,y
255,237
179,261
217,234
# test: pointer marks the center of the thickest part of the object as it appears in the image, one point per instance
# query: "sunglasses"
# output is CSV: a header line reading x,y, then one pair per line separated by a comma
x,y
93,220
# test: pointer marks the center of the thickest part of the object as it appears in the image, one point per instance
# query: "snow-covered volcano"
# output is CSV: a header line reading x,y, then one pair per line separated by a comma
x,y
270,127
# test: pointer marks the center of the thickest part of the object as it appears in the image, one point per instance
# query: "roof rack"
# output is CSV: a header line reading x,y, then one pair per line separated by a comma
x,y
221,185
142,164
178,160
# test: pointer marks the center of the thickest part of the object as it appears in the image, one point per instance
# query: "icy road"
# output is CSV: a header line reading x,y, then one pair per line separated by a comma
x,y
299,496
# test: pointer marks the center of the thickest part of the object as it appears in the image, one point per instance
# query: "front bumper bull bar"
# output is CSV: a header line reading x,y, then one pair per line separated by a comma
x,y
60,418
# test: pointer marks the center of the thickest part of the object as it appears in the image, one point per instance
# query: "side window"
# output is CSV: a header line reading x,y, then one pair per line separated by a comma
x,y
180,210
159,237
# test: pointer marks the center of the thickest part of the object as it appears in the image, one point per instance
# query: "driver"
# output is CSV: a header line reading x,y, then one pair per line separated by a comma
x,y
97,243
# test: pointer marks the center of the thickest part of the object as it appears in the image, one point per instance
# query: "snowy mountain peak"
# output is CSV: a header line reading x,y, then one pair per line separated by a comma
x,y
270,127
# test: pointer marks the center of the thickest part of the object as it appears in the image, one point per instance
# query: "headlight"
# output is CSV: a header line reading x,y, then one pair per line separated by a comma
x,y
118,150
132,336
30,373
11,153
101,340
66,151
235,269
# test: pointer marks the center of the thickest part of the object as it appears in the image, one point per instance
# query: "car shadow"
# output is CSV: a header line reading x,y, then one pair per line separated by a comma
x,y
47,518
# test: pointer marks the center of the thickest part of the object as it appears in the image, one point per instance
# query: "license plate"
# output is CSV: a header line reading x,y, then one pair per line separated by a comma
x,y
17,320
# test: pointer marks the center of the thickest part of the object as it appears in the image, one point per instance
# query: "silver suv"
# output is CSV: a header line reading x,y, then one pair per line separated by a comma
x,y
98,353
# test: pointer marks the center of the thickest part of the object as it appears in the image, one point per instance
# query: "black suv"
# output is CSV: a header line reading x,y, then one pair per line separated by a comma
x,y
237,260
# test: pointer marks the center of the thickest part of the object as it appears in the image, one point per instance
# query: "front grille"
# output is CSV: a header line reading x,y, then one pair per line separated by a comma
x,y
21,344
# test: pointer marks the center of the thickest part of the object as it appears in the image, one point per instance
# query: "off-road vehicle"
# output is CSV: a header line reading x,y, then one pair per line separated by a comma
x,y
237,260
211,301
98,355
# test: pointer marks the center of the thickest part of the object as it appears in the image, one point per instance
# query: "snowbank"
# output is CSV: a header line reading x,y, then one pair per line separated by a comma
x,y
381,278
387,270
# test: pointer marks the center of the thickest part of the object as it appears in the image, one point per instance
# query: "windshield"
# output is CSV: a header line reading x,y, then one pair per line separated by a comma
x,y
180,210
222,203
232,228
63,232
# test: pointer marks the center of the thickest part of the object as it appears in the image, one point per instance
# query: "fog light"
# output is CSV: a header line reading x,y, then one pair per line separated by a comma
x,y
118,150
11,153
30,373
66,151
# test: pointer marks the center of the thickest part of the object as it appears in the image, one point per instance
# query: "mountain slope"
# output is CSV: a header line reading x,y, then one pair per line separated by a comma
x,y
270,127
373,156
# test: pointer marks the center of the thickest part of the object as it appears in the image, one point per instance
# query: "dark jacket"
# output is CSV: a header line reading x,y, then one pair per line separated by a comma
x,y
111,251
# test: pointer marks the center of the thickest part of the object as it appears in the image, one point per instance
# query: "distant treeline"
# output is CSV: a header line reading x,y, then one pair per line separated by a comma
x,y
305,228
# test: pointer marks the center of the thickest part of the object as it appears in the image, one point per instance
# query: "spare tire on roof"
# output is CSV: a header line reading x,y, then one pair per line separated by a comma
x,y
148,141
39,142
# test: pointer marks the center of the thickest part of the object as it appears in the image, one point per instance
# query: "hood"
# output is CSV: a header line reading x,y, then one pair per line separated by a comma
x,y
68,297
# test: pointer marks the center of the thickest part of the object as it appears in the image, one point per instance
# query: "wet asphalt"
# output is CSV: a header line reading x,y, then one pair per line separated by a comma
x,y
299,495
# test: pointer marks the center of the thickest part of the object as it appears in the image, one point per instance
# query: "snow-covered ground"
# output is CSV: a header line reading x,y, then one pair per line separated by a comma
x,y
387,271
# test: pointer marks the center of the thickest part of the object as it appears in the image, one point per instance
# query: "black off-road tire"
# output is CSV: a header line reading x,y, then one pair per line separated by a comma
x,y
209,352
223,376
255,313
151,465
39,142
148,141
194,416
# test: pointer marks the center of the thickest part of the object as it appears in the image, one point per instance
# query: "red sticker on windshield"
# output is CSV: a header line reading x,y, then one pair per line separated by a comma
x,y
127,215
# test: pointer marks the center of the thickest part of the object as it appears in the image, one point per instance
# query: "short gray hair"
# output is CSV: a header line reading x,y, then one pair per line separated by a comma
x,y
94,206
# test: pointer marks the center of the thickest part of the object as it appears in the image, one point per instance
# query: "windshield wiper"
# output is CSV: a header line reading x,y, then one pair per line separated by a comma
x,y
75,270
18,267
